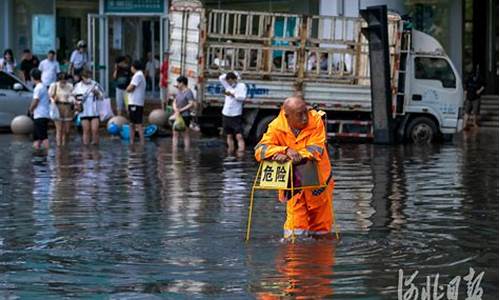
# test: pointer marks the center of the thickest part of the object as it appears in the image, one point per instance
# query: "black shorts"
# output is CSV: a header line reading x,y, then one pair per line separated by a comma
x,y
472,106
135,114
187,120
88,118
232,125
41,126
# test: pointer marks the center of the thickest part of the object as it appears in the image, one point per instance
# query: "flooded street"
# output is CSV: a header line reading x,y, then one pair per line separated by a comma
x,y
121,223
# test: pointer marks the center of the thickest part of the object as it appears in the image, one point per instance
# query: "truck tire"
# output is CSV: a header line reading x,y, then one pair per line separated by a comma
x,y
421,130
262,127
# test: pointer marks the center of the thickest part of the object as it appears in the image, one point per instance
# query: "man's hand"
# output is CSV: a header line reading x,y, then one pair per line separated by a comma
x,y
228,93
293,155
281,158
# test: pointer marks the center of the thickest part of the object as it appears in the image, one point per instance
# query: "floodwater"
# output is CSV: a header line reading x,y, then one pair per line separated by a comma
x,y
120,223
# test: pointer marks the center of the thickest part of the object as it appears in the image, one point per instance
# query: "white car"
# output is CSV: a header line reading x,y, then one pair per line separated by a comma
x,y
15,98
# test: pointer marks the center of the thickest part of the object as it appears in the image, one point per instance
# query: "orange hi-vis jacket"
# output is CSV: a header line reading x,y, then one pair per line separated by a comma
x,y
310,210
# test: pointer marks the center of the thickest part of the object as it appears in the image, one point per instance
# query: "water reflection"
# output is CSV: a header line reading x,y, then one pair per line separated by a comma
x,y
300,274
148,221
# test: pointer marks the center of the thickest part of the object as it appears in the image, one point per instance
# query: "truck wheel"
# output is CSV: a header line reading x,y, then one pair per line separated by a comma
x,y
421,130
262,127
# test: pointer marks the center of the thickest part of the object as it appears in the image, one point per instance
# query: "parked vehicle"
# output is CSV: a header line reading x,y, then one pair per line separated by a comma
x,y
15,98
323,58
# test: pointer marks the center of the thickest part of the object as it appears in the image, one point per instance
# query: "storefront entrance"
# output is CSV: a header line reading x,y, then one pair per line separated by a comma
x,y
138,37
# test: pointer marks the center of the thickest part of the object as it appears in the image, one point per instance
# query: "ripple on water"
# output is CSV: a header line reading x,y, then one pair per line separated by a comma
x,y
122,223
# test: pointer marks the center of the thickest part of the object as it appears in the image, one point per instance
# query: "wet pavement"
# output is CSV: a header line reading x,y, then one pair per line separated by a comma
x,y
120,223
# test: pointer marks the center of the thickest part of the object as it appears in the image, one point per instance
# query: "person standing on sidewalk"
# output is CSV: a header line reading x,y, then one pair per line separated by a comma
x,y
28,63
78,61
235,95
49,68
8,63
121,75
474,87
136,96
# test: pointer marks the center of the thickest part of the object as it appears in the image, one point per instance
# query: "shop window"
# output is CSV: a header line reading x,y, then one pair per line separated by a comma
x,y
432,68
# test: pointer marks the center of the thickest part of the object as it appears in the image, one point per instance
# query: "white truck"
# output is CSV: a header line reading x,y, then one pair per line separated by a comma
x,y
323,58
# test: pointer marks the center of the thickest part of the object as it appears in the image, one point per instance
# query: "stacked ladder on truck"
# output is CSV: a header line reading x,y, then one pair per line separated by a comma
x,y
323,58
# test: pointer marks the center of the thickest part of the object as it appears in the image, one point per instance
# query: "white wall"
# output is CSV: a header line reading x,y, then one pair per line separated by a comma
x,y
351,7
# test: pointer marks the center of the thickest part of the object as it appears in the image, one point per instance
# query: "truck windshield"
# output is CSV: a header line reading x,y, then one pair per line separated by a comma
x,y
433,68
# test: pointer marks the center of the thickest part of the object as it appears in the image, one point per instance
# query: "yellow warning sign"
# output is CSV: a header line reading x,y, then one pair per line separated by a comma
x,y
275,175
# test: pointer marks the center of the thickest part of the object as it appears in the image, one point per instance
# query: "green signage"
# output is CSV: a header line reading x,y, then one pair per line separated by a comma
x,y
134,6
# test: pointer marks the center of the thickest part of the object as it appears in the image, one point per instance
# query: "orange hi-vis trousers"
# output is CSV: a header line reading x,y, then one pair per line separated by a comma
x,y
310,214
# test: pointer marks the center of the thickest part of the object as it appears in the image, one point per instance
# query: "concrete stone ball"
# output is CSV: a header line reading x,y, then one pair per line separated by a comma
x,y
117,120
21,125
158,117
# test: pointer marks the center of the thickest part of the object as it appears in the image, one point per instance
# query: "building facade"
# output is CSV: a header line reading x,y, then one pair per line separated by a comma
x,y
467,29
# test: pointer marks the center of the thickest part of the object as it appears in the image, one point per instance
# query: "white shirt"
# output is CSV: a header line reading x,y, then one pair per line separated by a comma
x,y
89,101
139,94
79,60
7,67
151,67
233,106
49,69
42,108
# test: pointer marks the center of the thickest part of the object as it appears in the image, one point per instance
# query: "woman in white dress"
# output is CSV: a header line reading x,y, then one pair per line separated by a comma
x,y
87,92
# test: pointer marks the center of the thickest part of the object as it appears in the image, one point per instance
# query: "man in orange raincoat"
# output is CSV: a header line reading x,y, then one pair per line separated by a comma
x,y
298,134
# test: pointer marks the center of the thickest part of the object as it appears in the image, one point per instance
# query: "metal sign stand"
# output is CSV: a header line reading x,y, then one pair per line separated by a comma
x,y
292,188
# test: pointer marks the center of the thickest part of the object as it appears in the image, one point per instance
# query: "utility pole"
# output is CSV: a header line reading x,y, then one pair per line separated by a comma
x,y
378,41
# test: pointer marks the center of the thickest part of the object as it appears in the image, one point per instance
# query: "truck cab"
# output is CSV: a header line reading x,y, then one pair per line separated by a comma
x,y
434,95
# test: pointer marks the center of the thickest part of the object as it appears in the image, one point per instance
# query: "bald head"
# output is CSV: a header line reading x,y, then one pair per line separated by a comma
x,y
296,112
293,103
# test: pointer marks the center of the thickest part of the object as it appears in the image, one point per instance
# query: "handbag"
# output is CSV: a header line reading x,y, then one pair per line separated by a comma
x,y
104,109
179,124
54,112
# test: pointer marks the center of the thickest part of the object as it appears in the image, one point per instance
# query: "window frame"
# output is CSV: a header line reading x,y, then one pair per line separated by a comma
x,y
442,80
15,80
